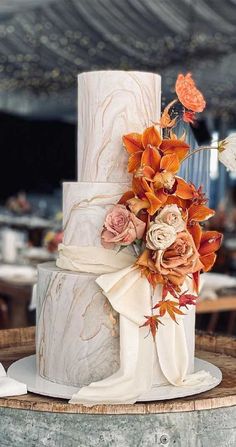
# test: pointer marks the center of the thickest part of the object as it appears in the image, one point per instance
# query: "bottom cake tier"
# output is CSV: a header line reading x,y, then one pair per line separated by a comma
x,y
77,338
78,331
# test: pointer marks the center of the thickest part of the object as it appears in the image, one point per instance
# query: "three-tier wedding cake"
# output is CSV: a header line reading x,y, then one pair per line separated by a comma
x,y
78,328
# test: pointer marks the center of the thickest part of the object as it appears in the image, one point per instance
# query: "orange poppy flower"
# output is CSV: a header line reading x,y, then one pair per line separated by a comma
x,y
148,148
188,94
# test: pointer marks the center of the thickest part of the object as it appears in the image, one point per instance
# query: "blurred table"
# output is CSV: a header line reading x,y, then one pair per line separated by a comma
x,y
18,297
220,304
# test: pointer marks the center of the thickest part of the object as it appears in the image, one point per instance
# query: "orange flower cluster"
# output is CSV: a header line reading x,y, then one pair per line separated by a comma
x,y
154,163
174,243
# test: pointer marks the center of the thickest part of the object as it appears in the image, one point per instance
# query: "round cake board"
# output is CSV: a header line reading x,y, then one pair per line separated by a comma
x,y
24,370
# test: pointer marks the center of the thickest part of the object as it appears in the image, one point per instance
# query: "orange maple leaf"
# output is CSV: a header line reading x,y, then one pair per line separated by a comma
x,y
153,322
171,307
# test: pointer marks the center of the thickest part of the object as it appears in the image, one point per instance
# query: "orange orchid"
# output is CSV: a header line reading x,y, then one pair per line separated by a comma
x,y
148,149
152,196
144,197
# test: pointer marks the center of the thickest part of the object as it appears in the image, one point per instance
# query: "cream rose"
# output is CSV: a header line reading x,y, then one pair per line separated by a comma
x,y
171,215
121,227
160,236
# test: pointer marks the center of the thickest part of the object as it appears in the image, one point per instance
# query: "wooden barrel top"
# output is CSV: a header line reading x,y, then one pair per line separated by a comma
x,y
219,350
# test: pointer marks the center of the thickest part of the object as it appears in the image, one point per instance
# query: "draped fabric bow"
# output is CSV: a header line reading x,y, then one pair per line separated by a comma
x,y
144,361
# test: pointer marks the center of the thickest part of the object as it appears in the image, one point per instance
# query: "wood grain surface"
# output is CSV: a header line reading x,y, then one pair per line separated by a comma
x,y
219,350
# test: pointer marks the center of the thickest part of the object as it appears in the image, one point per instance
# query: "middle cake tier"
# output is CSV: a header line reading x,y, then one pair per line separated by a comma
x,y
85,205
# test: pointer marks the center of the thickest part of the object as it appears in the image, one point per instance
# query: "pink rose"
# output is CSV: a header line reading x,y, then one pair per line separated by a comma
x,y
121,227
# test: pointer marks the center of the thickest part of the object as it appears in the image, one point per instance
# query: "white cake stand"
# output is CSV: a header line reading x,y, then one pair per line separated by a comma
x,y
24,370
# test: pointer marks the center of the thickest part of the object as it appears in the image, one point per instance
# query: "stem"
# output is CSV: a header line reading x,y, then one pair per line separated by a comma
x,y
152,296
202,148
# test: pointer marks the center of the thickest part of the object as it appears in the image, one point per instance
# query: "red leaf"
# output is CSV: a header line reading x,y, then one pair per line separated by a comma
x,y
168,288
153,322
187,298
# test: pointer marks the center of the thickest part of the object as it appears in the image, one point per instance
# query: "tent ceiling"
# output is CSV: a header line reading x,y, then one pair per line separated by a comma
x,y
45,43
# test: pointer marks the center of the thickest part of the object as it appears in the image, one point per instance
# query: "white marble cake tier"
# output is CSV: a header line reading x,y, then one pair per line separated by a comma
x,y
77,330
85,205
110,105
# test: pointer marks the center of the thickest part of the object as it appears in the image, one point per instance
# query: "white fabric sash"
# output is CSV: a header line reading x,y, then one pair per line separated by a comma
x,y
142,361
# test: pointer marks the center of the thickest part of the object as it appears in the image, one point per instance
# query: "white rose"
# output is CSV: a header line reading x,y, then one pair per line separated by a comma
x,y
160,236
171,215
227,152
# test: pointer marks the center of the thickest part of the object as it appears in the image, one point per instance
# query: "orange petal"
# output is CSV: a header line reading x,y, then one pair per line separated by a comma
x,y
154,202
148,173
210,242
179,147
133,142
208,261
126,196
196,233
158,181
161,195
176,200
183,190
199,213
137,186
134,161
136,205
143,259
151,136
166,120
170,163
196,281
151,157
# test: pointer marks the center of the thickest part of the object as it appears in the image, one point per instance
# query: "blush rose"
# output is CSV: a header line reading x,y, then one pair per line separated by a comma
x,y
178,260
121,227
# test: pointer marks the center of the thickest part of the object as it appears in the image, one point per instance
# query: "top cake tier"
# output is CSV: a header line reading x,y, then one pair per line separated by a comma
x,y
110,105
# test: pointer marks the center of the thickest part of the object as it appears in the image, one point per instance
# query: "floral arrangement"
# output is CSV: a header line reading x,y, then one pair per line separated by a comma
x,y
19,204
161,217
52,239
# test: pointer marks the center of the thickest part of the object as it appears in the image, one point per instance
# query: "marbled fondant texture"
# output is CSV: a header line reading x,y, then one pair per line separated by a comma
x,y
84,208
77,330
111,104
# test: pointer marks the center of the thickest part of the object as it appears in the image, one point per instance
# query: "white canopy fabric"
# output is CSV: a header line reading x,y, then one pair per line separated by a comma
x,y
13,6
45,43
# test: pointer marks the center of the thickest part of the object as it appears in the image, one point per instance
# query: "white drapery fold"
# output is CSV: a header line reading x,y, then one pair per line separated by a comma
x,y
143,361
